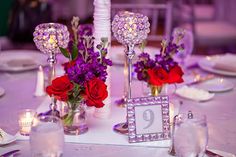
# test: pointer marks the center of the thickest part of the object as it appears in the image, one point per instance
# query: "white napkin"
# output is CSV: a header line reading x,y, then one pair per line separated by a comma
x,y
226,63
6,138
194,93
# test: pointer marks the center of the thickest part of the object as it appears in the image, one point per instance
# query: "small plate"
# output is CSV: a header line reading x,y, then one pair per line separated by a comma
x,y
207,63
6,138
193,93
21,60
216,85
2,91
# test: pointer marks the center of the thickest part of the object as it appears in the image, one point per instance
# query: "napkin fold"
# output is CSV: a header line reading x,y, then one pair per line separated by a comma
x,y
226,63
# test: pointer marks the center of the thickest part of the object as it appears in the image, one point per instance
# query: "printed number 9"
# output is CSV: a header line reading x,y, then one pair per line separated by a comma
x,y
148,116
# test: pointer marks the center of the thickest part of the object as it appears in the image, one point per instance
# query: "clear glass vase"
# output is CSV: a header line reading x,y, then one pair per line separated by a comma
x,y
166,89
75,120
155,90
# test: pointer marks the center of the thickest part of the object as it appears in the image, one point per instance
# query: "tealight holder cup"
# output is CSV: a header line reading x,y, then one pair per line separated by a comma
x,y
25,121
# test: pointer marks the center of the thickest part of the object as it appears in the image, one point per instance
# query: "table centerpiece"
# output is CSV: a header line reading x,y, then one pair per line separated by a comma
x,y
83,83
162,69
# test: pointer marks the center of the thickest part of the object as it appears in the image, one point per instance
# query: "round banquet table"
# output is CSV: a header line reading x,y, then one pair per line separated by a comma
x,y
19,88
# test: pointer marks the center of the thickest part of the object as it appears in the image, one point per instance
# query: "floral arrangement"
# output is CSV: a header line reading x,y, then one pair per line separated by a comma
x,y
85,72
162,69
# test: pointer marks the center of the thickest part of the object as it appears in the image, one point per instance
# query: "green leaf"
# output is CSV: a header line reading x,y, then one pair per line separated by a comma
x,y
65,52
74,54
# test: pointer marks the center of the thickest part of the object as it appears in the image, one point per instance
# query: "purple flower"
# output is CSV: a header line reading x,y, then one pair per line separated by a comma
x,y
163,60
89,63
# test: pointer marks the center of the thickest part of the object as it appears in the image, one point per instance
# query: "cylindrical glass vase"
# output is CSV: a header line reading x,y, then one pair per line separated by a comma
x,y
75,120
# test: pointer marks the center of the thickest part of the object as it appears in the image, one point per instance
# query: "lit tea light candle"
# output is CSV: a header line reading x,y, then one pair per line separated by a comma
x,y
25,121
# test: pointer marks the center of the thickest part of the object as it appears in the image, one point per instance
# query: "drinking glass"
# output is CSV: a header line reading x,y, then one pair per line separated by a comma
x,y
190,135
47,137
188,42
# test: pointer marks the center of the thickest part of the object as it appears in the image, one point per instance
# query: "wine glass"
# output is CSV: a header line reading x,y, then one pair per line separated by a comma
x,y
185,37
190,135
47,137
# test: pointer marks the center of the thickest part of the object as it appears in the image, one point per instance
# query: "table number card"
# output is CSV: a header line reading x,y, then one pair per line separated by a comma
x,y
148,119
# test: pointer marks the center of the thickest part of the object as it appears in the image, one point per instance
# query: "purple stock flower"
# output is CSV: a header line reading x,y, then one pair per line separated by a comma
x,y
89,63
163,60
85,30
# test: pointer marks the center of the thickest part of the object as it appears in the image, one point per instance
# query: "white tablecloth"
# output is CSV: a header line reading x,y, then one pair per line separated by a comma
x,y
19,88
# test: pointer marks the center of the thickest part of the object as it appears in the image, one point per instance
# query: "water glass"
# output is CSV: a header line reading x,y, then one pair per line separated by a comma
x,y
190,135
47,137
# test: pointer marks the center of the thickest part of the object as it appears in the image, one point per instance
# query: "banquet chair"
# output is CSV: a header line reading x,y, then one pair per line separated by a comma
x,y
156,13
204,10
208,33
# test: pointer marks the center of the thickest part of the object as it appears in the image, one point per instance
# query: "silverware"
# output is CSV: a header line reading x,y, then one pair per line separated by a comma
x,y
9,153
199,79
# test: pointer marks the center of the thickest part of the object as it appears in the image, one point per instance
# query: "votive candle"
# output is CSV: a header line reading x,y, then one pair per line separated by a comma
x,y
25,121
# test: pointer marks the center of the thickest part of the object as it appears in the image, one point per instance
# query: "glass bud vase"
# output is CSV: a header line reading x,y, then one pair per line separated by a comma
x,y
165,89
155,90
75,120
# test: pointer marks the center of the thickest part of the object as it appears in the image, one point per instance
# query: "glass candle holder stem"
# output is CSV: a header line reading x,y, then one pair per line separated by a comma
x,y
130,54
52,72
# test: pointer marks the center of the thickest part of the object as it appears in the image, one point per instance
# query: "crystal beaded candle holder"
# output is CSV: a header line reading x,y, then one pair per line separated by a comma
x,y
130,28
48,37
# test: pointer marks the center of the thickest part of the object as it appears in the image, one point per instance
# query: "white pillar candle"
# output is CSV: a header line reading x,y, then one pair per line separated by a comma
x,y
102,28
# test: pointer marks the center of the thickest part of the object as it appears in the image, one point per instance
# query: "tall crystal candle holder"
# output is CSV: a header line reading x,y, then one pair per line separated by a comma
x,y
129,29
48,38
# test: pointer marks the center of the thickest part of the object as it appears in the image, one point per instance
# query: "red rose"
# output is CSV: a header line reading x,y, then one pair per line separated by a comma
x,y
157,77
60,87
175,75
95,92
